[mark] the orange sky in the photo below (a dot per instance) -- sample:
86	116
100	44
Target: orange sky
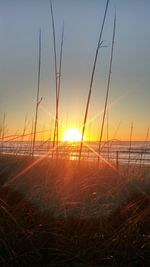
129	89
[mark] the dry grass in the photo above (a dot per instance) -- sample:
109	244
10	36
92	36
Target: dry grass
62	215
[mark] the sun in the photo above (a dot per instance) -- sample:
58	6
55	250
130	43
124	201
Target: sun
72	135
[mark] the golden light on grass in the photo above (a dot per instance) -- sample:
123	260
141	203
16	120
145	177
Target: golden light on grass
72	135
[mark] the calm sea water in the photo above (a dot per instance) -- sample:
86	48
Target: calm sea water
139	151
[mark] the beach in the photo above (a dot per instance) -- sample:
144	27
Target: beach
72	216
74	133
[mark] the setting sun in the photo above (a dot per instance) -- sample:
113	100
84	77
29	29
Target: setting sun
72	135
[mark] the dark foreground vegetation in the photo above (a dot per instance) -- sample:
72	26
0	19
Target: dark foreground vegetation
63	215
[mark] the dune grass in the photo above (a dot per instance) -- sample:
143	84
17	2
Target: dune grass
63	215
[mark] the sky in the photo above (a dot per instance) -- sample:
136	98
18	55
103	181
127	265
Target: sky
20	21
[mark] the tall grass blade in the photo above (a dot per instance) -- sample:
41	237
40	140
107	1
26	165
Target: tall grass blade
107	133
145	145
38	99
92	78
59	82
3	132
56	74
130	146
108	87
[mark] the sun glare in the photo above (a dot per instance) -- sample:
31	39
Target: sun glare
72	135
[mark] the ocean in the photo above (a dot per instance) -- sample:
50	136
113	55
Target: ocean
114	150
